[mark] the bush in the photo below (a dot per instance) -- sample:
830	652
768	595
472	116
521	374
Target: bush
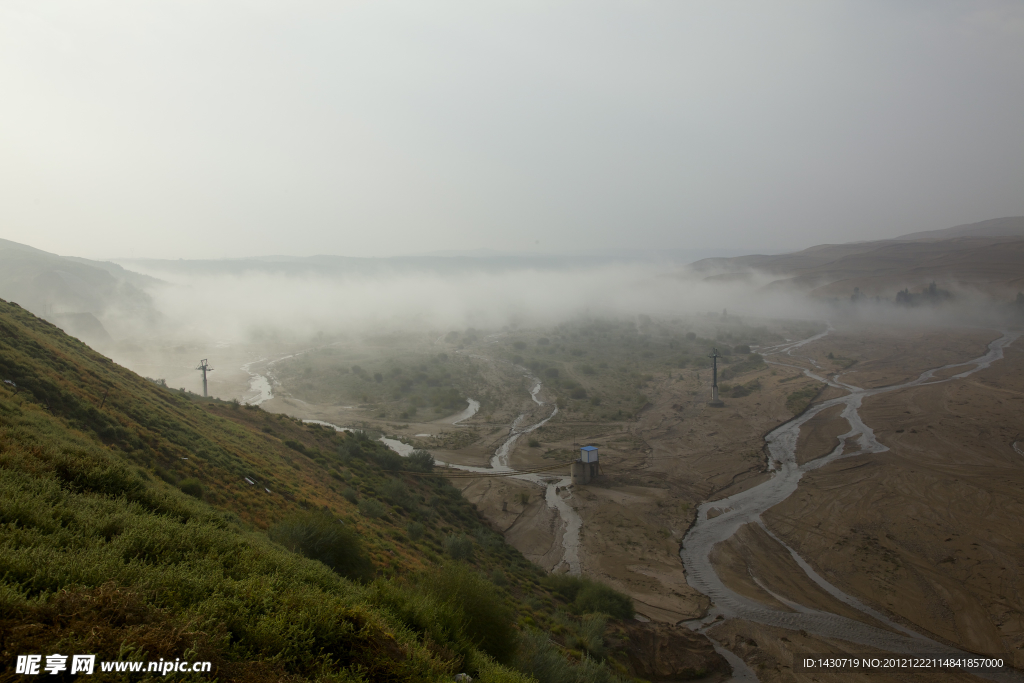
419	461
368	507
542	659
457	546
318	535
533	443
351	449
396	493
602	599
350	495
498	577
579	393
192	487
487	621
589	596
454	606
295	446
415	530
590	635
552	373
388	460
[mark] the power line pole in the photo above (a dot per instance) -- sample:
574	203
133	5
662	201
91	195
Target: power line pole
205	367
715	401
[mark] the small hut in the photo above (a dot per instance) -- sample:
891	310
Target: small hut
585	468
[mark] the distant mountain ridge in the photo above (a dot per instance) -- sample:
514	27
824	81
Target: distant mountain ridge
986	256
1011	226
453	262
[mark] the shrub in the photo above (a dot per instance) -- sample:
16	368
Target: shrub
415	530
486	619
350	495
498	577
542	659
590	635
551	373
533	443
318	535
165	475
565	586
295	446
396	492
523	497
457	546
419	461
192	487
579	393
368	507
388	460
589	596
597	597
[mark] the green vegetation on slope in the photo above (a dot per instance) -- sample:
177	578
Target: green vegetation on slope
129	528
403	382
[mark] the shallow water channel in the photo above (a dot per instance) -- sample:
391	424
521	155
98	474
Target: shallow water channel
746	507
551	482
499	462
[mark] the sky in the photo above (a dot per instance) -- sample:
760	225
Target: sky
210	129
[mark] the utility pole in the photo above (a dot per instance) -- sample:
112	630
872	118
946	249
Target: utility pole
715	401
205	367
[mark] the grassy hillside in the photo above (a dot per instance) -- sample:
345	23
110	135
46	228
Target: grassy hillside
134	525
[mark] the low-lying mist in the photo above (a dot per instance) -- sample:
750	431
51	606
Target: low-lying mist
246	315
254	306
